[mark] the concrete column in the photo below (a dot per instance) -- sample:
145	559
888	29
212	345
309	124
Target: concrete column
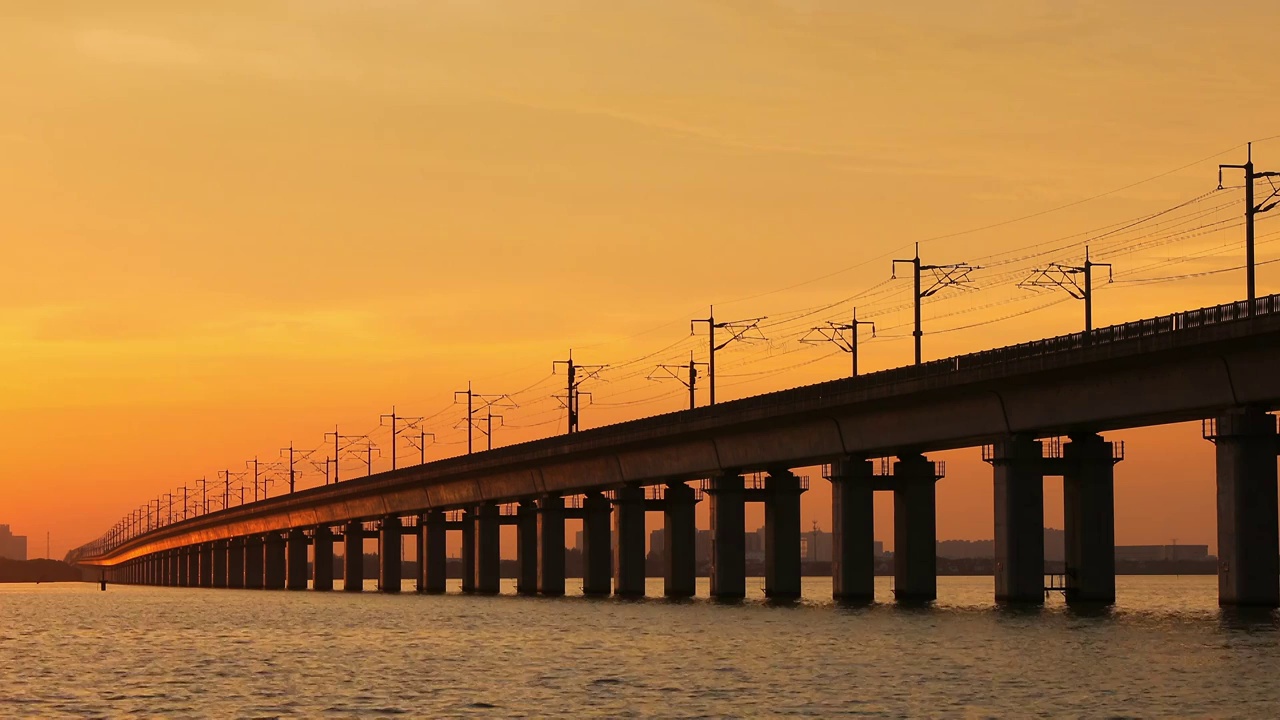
353	557
431	552
206	565
390	531
1018	465
551	545
254	556
193	566
174	564
1248	533
295	567
469	550
680	542
184	567
597	545
728	537
527	548
274	561
220	564
322	562
781	535
235	563
628	527
853	551
488	545
915	530
1088	509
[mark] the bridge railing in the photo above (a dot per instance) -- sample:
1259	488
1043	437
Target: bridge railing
1214	315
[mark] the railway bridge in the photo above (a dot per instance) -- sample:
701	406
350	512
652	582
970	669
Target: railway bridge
1035	409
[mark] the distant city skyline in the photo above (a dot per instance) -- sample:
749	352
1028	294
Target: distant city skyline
12	547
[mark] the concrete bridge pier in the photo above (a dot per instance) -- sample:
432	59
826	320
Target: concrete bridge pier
353	557
915	529
431	552
1248	532
728	537
322	552
628	527
597	542
274	566
781	535
254	555
469	550
527	548
235	563
551	545
193	566
295	567
220	563
853	562
171	565
488	543
390	534
1018	465
184	564
680	541
206	565
1088	509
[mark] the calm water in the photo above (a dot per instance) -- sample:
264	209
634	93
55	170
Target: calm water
1166	649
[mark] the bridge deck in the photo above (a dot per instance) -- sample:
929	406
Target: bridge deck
1170	368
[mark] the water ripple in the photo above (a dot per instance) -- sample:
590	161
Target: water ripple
1166	649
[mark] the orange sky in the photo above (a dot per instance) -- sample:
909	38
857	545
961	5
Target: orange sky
231	227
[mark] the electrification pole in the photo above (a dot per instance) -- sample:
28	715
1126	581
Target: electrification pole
1064	277
204	495
738	330
470	410
954	275
420	444
686	375
337	451
1250	211
396	429
226	488
573	396
836	333
488	432
486	401
254	464
292	473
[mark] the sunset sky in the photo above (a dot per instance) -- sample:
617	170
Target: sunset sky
231	225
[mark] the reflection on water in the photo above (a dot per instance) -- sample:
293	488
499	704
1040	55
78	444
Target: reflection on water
1165	649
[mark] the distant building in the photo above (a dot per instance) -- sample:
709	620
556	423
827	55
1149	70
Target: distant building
657	541
12	547
1162	553
701	548
815	545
